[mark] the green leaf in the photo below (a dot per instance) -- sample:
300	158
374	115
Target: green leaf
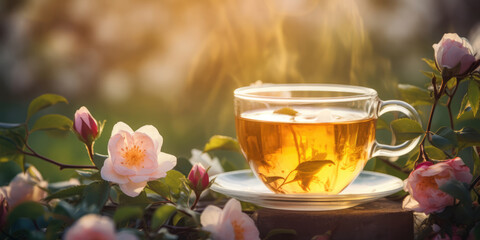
271	179
219	142
67	192
171	187
432	152
54	229
99	160
306	170
468	136
415	95
382	124
12	139
42	102
405	129
64	208
141	200
473	94
95	196
464	106
431	63
312	166
30	210
457	190
52	122
162	215
452	83
286	111
127	213
444	139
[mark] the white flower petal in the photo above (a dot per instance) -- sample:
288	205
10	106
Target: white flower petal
211	215
121	126
132	189
108	173
166	161
153	133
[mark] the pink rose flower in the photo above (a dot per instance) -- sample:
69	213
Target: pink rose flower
85	125
231	223
198	176
26	187
135	158
3	208
423	185
453	50
92	226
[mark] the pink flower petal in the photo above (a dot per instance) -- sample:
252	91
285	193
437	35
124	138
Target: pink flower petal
121	126
108	173
211	216
132	189
153	133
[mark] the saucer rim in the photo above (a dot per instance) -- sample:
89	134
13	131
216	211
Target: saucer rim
307	197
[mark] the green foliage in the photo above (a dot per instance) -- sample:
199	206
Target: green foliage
30	210
141	200
414	95
95	196
12	141
219	142
99	160
67	192
445	139
473	95
162	215
431	63
172	187
42	102
406	129
52	122
126	213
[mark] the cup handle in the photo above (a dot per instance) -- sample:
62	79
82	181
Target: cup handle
404	148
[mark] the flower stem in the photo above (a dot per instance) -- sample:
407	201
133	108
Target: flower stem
60	165
197	197
90	151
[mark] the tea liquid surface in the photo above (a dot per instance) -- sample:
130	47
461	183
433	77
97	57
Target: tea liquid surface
316	150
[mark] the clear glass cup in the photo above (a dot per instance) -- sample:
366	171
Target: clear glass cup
312	138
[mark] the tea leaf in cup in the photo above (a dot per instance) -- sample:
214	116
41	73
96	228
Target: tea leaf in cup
286	111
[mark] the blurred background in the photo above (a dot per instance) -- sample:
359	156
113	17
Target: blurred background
175	63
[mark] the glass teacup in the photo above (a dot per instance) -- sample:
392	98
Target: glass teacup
312	138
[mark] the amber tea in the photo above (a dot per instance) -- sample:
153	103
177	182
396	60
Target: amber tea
306	150
313	138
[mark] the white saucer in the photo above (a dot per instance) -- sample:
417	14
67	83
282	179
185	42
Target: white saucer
367	187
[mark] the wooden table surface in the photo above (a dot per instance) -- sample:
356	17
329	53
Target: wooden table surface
381	219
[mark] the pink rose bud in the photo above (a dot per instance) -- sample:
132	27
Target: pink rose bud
85	125
424	182
198	176
452	51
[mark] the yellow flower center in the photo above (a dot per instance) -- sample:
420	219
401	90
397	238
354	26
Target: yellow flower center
238	230
133	156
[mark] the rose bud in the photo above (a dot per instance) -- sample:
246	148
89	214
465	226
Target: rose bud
85	126
198	177
453	51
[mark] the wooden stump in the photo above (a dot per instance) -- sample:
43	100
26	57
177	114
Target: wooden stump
382	219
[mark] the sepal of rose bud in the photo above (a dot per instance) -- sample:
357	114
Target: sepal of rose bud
198	178
85	126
